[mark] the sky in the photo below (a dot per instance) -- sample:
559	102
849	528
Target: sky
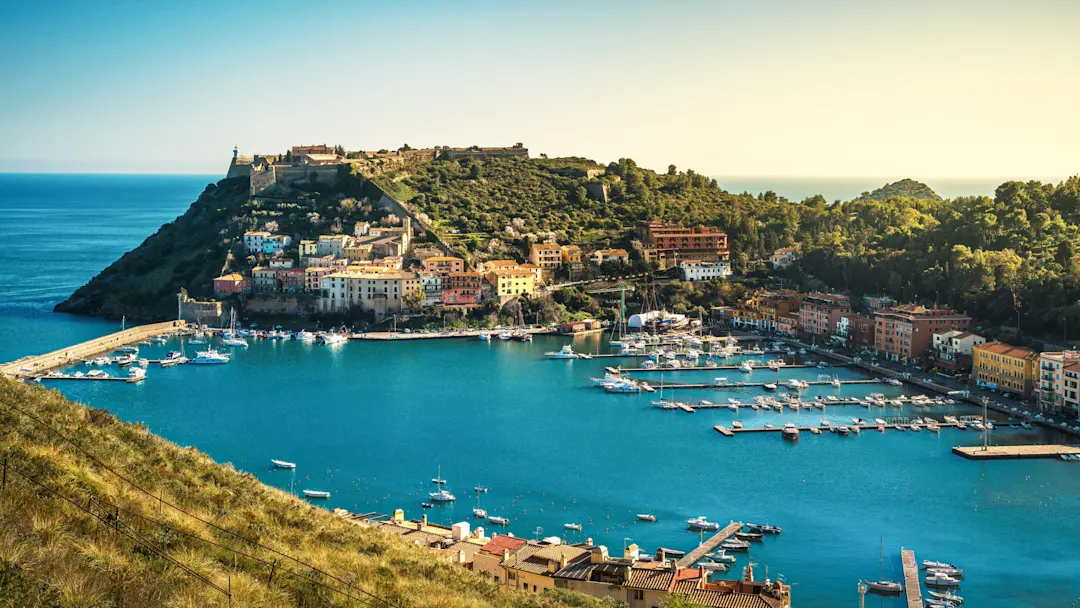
768	88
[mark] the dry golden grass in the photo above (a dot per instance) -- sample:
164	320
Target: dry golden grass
53	553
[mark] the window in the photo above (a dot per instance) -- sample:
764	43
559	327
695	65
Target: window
639	594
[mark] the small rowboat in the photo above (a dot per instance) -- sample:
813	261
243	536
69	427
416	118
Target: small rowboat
316	494
281	464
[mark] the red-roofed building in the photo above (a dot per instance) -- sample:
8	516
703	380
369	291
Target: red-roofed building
905	332
819	312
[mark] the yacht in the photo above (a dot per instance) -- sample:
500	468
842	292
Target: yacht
793	383
769	386
954	572
576	527
721	556
946	597
232	338
281	464
881	585
440	495
136	373
623	386
498	521
836	382
316	494
790	431
746	367
736	424
567	352
843	430
210	356
700	523
478	512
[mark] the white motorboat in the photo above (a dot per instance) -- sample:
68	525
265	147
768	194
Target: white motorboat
479	513
649	517
305	336
136	373
281	464
235	341
576	527
567	352
954	572
97	374
721	556
316	494
712	566
769	386
331	338
793	383
734	544
505	335
843	430
210	356
700	523
764	528
498	521
941	580
884	586
736	424
623	386
746	367
947	597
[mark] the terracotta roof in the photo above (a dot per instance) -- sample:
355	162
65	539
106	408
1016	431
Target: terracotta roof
651	578
1008	350
546	246
1074	367
723	599
522	560
557	552
496	545
230	277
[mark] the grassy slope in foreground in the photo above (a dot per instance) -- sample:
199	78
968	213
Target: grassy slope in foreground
52	553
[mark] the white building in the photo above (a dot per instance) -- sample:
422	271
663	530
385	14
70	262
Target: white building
253	241
783	257
696	270
432	284
332	244
953	344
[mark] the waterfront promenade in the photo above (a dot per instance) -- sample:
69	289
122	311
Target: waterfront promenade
443	335
37	364
1014	452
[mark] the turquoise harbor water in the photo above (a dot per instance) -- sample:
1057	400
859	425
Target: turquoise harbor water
371	422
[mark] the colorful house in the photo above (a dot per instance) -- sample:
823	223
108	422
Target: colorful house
1004	367
231	284
443	264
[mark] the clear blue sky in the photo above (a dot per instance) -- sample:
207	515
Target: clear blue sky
795	88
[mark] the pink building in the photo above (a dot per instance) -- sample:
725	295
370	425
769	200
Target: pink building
231	284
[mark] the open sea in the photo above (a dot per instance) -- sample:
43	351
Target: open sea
372	423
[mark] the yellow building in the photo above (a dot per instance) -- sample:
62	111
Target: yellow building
1005	367
571	256
510	282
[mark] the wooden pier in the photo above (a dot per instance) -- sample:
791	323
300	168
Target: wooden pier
1014	452
912	590
710	545
38	364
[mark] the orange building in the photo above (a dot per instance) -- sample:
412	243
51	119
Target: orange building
675	240
906	331
443	264
820	312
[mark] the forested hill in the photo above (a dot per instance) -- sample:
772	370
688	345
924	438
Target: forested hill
988	256
904	188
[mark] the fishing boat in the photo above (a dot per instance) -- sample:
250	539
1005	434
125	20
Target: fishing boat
210	356
576	527
566	352
700	523
498	521
316	494
305	336
331	338
881	585
281	464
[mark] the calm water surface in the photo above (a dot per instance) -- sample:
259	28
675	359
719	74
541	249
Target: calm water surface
371	422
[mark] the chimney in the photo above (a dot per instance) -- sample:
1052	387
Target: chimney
461	557
419	526
588	542
423	519
399	515
506	554
479	532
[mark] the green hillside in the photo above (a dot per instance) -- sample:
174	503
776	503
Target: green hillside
905	188
95	512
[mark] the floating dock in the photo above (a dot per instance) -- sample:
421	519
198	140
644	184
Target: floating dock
1014	452
912	590
710	545
731	432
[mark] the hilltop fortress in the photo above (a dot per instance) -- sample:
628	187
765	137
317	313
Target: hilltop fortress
321	163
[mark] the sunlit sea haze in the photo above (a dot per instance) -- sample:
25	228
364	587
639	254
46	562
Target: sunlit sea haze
372	423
